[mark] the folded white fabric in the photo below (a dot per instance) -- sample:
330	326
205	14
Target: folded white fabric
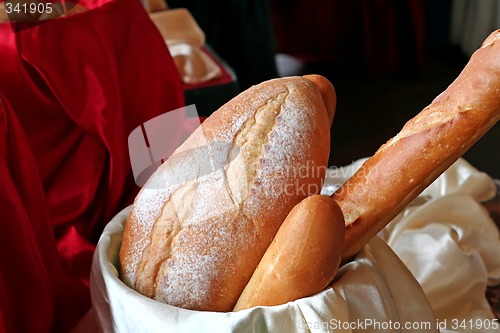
450	244
445	238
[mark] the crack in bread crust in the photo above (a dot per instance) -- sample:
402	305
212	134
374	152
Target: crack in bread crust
254	134
271	134
168	228
432	116
165	230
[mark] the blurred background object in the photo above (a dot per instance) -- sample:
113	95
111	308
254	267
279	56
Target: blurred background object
371	38
471	21
240	32
208	81
72	90
388	59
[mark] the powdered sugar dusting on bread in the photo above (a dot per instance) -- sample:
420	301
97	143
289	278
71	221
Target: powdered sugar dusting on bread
287	148
187	276
151	199
146	209
228	186
232	222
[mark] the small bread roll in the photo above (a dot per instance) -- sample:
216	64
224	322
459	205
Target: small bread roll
303	257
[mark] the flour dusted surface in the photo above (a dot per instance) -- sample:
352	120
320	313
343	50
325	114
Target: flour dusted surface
255	142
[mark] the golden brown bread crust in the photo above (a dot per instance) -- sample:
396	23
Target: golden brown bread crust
328	93
426	146
303	257
194	242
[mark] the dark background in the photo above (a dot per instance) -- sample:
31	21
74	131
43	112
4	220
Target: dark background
387	59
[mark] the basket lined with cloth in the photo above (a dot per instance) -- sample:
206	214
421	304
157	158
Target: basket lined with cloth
445	250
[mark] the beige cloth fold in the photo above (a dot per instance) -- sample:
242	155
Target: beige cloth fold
186	42
194	64
154	5
460	244
450	244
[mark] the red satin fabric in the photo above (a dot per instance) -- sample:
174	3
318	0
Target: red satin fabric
36	293
72	90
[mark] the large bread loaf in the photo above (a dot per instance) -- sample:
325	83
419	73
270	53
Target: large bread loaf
201	224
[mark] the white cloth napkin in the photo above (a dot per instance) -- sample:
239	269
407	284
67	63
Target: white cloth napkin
374	293
450	244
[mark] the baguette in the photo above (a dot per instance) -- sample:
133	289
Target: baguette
426	146
195	241
388	181
303	257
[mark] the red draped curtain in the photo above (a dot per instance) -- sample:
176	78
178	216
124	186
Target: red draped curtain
71	91
371	37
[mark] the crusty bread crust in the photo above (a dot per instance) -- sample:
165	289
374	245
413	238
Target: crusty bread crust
328	93
426	146
303	257
194	238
